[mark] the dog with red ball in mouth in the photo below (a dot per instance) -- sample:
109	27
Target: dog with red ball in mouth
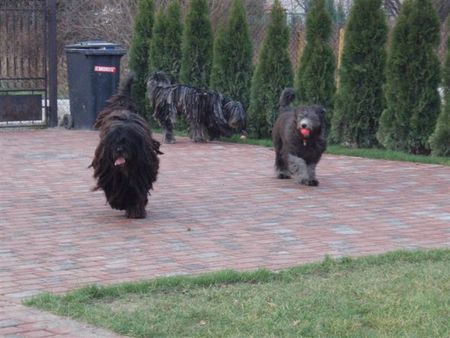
299	140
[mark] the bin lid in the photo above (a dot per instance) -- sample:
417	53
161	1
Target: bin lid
95	47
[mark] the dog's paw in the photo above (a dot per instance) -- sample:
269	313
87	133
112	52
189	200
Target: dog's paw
310	183
168	139
136	213
283	176
199	140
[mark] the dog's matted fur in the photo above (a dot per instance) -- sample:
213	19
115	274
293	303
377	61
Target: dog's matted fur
208	113
299	140
126	160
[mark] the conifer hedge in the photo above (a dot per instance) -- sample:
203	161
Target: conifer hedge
165	46
315	79
197	46
440	139
232	61
139	53
360	99
413	77
273	73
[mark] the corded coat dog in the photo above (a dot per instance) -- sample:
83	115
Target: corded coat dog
209	114
126	160
299	140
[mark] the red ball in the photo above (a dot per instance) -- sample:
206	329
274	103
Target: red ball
305	132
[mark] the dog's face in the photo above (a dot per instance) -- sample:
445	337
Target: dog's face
122	147
161	78
310	120
234	114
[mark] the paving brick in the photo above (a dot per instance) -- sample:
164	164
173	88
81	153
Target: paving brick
214	206
38	334
8	323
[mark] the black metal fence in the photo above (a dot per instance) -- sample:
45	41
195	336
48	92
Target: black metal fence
28	62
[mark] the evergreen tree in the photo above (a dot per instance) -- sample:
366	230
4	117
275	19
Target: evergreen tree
232	62
173	39
165	46
440	140
197	46
412	98
218	80
157	53
273	73
139	51
360	100
315	77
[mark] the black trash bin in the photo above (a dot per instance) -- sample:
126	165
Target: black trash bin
93	69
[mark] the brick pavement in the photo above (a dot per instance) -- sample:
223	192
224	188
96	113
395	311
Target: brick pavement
214	206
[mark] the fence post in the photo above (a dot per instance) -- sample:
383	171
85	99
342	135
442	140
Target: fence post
53	65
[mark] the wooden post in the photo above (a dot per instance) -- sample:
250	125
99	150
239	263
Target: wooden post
52	65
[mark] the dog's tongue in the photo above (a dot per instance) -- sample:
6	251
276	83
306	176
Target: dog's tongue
119	161
305	132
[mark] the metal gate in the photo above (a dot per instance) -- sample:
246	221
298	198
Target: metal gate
28	63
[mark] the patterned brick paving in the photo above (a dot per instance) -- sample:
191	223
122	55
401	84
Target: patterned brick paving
214	206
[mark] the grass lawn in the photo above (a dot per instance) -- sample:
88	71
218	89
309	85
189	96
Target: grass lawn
358	152
399	294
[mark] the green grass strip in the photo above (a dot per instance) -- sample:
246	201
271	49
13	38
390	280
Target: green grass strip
398	294
380	154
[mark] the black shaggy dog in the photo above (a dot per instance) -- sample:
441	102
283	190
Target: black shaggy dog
299	140
126	159
209	114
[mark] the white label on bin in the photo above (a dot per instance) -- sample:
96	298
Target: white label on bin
104	69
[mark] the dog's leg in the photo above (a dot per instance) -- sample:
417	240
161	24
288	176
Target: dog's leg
297	166
302	171
167	132
281	167
137	211
198	132
311	170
